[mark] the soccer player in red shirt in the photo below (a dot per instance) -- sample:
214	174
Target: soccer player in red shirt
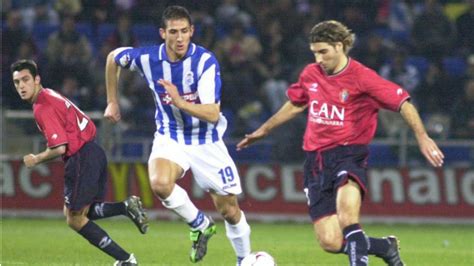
70	133
343	98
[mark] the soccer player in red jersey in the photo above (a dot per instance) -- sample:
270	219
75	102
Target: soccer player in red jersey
70	133
343	97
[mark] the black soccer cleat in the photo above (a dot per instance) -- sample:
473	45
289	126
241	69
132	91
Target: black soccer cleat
392	257
200	239
136	213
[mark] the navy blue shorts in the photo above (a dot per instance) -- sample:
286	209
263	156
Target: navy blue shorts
326	171
85	177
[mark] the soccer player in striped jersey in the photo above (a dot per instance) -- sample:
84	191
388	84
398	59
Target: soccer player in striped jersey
184	79
70	134
343	97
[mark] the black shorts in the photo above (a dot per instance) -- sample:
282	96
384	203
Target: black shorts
326	171
85	177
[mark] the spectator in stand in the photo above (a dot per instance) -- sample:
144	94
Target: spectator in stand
204	24
465	30
407	76
432	32
298	55
374	53
239	54
33	11
39	11
438	90
229	11
12	36
462	113
69	53
98	12
401	17
123	34
70	89
68	7
469	74
68	34
401	72
28	49
358	17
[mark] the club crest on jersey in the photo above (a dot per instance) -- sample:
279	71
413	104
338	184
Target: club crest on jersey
344	96
125	59
189	78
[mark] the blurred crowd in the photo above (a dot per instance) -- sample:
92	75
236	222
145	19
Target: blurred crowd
425	46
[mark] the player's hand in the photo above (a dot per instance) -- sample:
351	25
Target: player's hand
30	160
251	138
112	112
176	99
431	151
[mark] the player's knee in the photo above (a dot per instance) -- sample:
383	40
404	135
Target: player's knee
330	243
162	187
230	213
75	221
347	218
330	240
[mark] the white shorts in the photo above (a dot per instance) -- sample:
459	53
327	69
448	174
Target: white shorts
212	167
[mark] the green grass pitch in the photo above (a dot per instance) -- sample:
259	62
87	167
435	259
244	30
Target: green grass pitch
51	242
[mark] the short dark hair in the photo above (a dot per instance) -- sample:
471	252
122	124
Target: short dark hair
173	13
332	31
25	64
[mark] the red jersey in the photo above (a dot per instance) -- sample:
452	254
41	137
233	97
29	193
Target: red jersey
61	122
342	108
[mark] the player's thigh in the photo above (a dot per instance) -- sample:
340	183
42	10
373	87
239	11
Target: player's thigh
213	168
164	171
348	203
329	233
168	161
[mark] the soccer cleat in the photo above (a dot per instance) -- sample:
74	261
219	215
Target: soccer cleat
135	211
199	247
392	257
130	262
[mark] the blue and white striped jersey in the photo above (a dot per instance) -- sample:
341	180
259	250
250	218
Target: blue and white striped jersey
197	77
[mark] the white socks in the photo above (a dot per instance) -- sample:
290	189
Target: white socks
179	202
239	236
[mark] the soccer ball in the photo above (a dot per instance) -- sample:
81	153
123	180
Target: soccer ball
259	258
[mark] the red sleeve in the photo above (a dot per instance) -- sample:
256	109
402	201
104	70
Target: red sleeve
297	94
51	125
386	93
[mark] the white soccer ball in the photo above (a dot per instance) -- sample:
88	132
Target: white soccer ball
259	258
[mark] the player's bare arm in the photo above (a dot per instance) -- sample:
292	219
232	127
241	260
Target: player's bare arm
427	146
287	112
112	74
206	112
31	160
